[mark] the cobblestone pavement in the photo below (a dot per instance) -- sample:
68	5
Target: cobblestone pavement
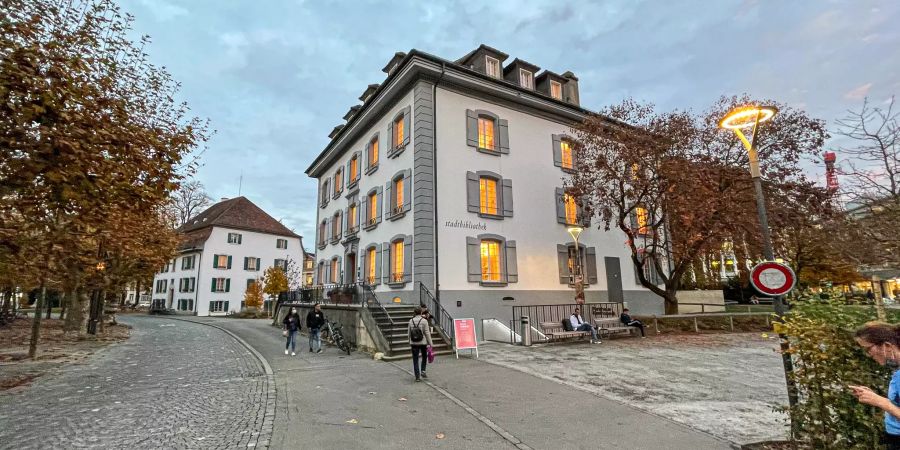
727	385
173	384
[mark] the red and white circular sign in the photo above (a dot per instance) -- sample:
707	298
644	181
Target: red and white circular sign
772	278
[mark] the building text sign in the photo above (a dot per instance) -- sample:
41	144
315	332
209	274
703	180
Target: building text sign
464	335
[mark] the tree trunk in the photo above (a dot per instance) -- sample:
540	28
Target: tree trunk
36	323
63	300
879	308
670	302
137	295
75	316
49	307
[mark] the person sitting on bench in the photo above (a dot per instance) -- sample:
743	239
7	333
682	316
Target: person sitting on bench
578	324
628	321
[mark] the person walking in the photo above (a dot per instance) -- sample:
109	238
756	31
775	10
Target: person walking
291	325
315	320
882	343
419	341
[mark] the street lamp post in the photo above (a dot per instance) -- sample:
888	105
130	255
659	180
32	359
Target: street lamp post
736	120
575	231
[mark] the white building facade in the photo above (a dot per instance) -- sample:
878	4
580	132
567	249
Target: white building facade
466	177
224	249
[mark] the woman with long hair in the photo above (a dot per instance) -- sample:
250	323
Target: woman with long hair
881	342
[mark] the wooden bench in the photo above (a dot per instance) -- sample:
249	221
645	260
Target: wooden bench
610	325
555	331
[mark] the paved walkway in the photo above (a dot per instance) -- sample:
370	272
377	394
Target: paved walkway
331	400
724	384
173	384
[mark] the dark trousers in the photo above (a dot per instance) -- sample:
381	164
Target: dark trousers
890	441
637	323
416	350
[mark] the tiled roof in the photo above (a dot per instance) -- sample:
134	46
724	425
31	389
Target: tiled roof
238	213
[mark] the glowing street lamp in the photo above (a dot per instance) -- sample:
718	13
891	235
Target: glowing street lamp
575	231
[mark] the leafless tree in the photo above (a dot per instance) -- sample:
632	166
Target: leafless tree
189	200
871	165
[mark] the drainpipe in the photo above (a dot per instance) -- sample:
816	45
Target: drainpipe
437	284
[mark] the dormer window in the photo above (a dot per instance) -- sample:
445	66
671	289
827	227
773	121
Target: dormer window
526	79
556	90
492	66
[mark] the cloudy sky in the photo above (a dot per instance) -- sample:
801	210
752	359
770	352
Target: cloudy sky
276	76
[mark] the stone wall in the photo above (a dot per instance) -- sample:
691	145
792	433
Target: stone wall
714	299
352	325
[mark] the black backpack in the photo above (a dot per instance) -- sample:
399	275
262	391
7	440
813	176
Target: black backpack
415	333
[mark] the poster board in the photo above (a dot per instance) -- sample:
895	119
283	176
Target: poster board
464	336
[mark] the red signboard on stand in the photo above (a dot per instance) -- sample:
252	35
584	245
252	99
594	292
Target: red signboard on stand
464	335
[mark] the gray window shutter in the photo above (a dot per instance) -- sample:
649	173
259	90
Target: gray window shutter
407	131
562	258
347	219
407	259
340	280
389	202
379	199
471	128
368	154
473	192
632	217
386	268
327	271
590	257
347	172
557	150
504	136
473	259
358	211
340	222
364	206
229	262
512	266
560	206
328	229
377	264
228	285
390	137
246	263
407	182
583	217
506	196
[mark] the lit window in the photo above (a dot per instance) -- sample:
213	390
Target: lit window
397	261
338	181
221	261
351	217
370	277
492	66
643	219
486	133
488	188
526	79
490	261
335	270
555	90
373	152
354	168
373	207
398	132
566	150
398	193
571	209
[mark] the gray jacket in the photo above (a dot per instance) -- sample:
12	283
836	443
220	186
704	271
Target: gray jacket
423	325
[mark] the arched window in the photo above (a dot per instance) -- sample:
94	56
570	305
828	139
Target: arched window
488	195
399	131
486	133
373	152
371	264
490	260
335	270
566	153
354	168
397	260
571	209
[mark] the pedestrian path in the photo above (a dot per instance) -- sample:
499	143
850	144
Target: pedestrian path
331	400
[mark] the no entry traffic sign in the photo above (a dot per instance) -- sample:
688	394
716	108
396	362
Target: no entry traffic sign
772	278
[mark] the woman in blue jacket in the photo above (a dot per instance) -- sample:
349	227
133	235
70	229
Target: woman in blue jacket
882	343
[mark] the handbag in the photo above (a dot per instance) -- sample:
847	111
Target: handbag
284	333
430	355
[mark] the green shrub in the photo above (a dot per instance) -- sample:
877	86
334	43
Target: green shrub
827	360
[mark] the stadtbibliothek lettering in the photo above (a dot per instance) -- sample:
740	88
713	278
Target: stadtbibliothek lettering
467	224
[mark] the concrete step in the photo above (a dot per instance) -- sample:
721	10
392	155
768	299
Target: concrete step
407	354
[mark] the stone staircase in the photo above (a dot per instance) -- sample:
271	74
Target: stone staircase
397	334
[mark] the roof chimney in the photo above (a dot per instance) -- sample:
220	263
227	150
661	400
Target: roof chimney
570	90
223	199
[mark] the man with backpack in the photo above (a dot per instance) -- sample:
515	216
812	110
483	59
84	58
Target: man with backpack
315	320
419	341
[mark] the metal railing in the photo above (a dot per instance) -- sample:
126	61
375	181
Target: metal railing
441	316
369	299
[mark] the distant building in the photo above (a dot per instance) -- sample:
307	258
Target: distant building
223	250
309	267
450	174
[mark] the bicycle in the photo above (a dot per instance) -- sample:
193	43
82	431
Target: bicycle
337	336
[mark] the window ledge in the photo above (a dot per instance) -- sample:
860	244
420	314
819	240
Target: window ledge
396	284
335	240
370	226
371	169
493	283
337	194
352	191
353	184
396	216
323	204
322	245
490	216
488	151
396	151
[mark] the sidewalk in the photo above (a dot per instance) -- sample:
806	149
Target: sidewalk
332	400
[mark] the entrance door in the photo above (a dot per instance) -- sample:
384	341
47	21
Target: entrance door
613	279
351	268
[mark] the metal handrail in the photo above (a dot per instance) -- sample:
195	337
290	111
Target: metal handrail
441	316
367	289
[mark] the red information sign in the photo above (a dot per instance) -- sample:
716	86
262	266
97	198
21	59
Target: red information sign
464	335
772	278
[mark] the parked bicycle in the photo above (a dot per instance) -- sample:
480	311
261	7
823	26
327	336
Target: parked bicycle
333	332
